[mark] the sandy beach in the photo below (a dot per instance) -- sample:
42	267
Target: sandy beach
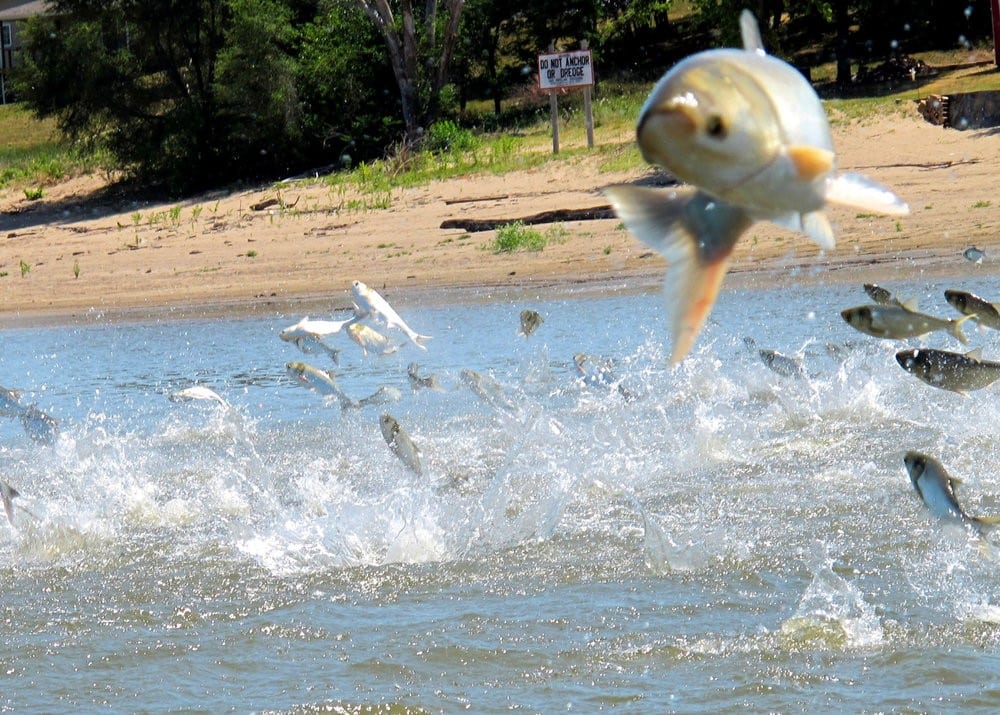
68	256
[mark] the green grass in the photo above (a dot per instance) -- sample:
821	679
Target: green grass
517	237
31	153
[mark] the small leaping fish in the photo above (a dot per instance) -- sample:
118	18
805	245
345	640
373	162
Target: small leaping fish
748	132
417	382
400	443
7	494
530	321
198	392
974	255
981	310
898	322
320	381
937	489
371	339
370	302
317	328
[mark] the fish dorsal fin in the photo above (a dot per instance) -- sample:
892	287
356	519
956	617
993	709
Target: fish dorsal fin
910	304
975	354
860	192
810	162
750	32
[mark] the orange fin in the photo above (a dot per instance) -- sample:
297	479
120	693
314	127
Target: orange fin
696	234
810	162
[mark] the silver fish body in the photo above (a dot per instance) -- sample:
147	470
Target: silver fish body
198	392
974	255
10	402
948	370
880	295
749	133
7	494
782	364
371	340
320	381
530	321
937	490
371	303
982	311
418	381
39	426
897	322
400	443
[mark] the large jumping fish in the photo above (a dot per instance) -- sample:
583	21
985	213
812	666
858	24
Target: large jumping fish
748	133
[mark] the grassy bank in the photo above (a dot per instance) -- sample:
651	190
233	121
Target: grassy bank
32	155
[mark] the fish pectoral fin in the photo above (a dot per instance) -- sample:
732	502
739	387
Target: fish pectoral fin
810	162
817	227
696	234
975	353
860	192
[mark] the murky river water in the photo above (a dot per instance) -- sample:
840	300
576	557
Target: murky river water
710	538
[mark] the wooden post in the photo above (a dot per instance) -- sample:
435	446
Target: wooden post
995	13
588	111
554	111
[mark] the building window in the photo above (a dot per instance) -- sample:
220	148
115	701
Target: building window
4	34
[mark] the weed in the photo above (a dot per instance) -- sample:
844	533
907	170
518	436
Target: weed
175	214
607	250
136	218
25	267
899	227
33	194
76	269
981	205
516	236
251	253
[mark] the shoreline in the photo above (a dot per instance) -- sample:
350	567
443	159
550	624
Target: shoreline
65	259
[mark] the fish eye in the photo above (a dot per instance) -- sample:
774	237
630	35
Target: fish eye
715	127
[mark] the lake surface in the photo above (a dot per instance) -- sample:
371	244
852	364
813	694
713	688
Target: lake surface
710	538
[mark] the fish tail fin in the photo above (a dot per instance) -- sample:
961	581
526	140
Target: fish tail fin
696	234
955	328
419	340
985	524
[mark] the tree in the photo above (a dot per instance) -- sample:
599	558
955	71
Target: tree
185	93
420	61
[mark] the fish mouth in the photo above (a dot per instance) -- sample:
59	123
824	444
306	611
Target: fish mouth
674	116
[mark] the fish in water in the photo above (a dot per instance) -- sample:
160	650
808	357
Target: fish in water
749	134
975	255
198	392
487	389
530	321
429	382
371	303
320	381
10	402
937	489
782	364
597	372
400	443
982	311
950	371
880	295
7	494
40	427
898	322
371	339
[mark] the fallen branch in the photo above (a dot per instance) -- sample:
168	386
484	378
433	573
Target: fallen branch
475	225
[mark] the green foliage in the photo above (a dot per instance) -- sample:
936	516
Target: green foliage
516	236
446	136
33	194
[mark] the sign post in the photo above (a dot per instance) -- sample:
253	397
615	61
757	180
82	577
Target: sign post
558	70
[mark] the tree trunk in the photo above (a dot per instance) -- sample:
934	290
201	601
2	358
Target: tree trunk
842	20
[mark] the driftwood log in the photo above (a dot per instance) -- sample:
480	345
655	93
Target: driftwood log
476	225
